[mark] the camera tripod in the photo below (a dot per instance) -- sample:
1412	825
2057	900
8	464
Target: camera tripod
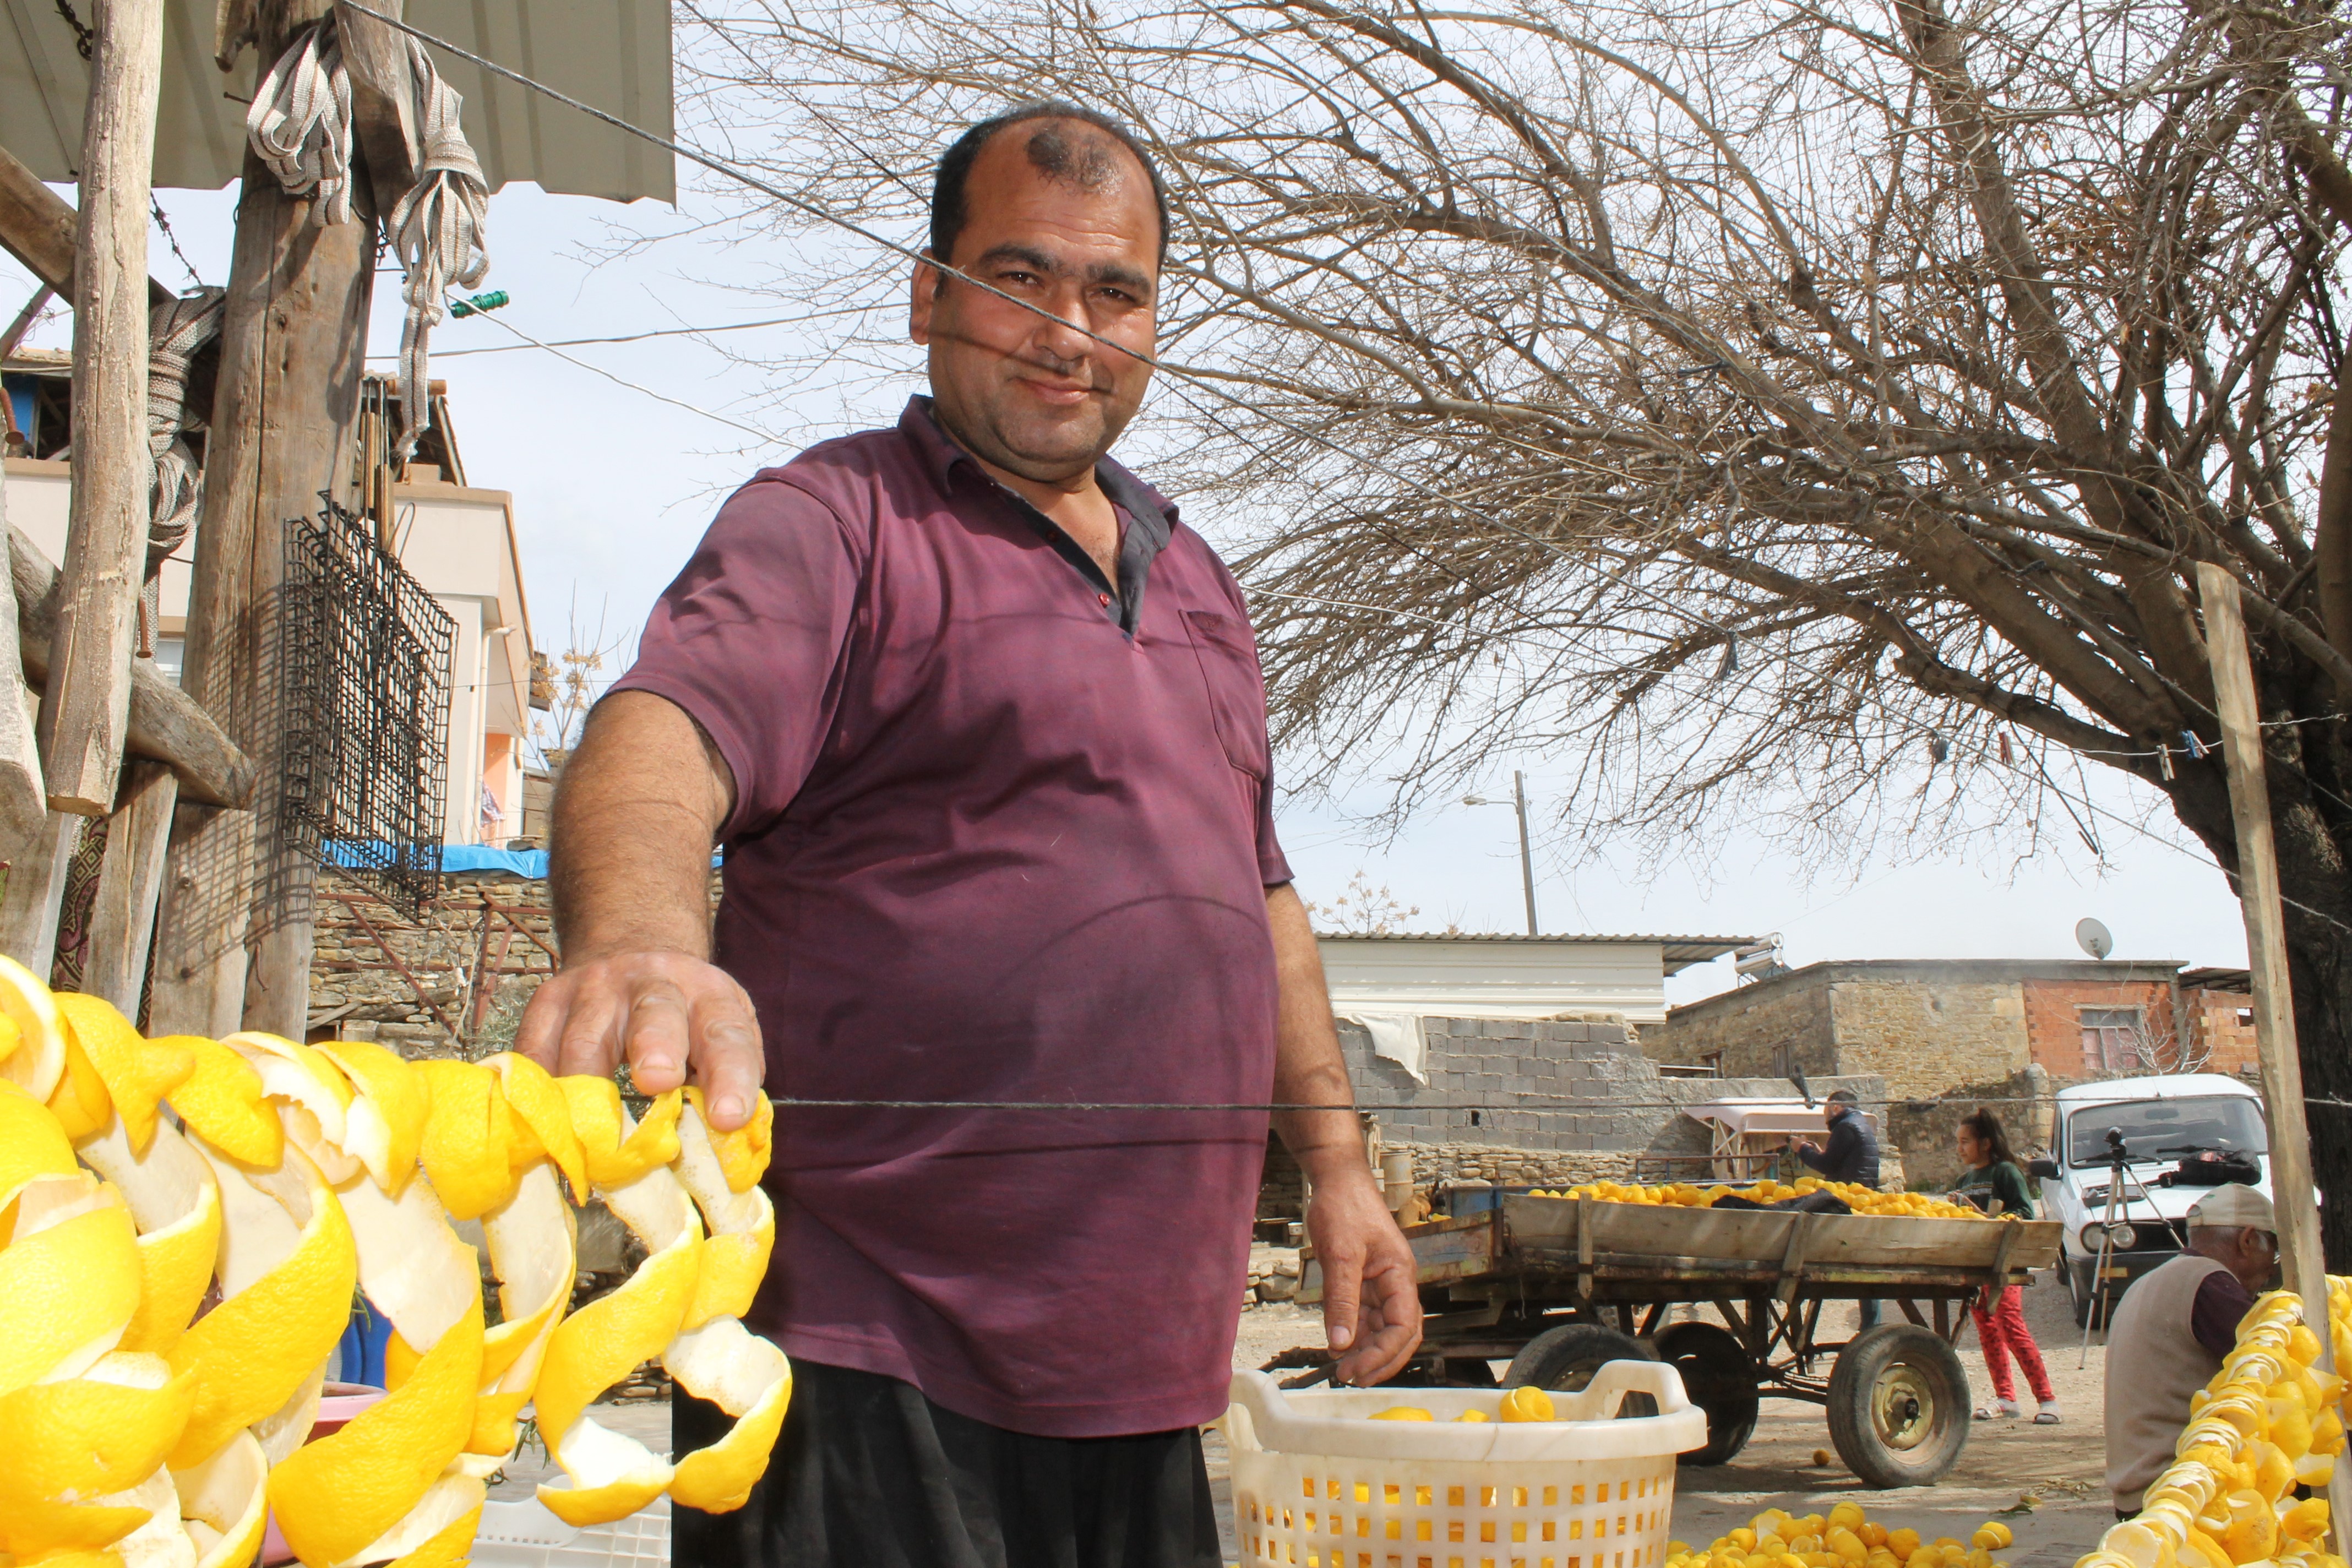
2117	1212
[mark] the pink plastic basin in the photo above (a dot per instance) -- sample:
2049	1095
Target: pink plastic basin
336	1404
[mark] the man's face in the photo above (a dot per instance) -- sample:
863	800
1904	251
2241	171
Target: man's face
1021	389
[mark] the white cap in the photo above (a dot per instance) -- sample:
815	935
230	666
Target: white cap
2234	1206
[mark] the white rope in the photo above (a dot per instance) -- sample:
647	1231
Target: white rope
300	125
436	230
301	122
177	331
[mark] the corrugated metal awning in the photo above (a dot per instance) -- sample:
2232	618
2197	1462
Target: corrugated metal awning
614	54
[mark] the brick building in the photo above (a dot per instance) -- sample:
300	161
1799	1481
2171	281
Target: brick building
1931	1026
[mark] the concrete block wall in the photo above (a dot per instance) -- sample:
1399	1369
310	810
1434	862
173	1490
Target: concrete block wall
1584	1103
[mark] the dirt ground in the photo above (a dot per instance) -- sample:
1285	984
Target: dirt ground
2053	1473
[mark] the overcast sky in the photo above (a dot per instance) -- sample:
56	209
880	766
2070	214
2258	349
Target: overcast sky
613	486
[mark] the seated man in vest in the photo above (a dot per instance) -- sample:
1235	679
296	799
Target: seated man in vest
2174	1327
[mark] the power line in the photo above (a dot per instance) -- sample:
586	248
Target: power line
622	338
802	204
632	386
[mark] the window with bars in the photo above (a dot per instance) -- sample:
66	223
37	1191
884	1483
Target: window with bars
2110	1037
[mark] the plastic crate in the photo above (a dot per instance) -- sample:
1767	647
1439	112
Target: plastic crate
523	1534
1317	1483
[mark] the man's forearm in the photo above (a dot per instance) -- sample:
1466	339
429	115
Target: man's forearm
1309	1069
639	801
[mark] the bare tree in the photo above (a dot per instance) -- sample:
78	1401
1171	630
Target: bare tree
1745	403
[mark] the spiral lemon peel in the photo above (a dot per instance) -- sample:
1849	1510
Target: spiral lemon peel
2269	1421
137	1177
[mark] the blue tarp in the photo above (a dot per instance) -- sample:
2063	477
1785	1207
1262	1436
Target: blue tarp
529	863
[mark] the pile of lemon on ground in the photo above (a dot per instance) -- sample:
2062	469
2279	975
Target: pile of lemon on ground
142	1179
1844	1538
1527	1403
2269	1421
1686	1195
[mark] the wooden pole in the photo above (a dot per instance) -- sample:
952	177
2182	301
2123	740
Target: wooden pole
24	801
233	945
37	890
37	229
87	708
2300	1261
130	887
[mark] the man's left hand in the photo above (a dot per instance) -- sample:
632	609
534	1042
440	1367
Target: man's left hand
1372	1303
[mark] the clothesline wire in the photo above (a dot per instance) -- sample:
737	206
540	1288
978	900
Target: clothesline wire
1532	1101
823	214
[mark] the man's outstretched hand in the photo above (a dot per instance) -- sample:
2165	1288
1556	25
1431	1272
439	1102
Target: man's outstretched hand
669	1016
1372	1303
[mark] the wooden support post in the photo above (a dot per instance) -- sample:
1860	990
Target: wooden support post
236	938
24	803
130	887
36	227
37	890
2301	1259
87	709
166	724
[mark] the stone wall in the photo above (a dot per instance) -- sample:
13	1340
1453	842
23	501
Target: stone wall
1923	1032
1927	1130
470	964
1744	1030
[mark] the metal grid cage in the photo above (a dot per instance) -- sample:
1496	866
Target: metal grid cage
365	683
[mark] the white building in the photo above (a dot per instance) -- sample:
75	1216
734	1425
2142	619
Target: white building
1511	976
458	541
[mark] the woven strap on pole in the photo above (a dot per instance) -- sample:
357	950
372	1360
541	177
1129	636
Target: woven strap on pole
300	125
177	331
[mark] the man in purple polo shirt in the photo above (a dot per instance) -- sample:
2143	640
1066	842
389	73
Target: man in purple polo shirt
980	725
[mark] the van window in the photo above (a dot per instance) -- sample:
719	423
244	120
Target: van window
2165	1129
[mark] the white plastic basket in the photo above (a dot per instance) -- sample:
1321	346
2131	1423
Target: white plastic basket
1317	1484
524	1535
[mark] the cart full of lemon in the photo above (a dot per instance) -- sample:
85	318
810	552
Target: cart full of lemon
2270	1421
1845	1537
185	1223
1688	1194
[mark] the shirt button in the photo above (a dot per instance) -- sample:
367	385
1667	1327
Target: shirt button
1103	599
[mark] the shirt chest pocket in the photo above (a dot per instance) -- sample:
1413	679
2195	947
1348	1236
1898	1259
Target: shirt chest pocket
1236	688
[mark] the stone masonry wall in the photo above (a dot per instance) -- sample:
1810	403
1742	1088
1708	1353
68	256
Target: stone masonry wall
1923	1035
1745	1026
1600	1108
470	967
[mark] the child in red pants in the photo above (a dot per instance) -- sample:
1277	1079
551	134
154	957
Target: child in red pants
1995	1184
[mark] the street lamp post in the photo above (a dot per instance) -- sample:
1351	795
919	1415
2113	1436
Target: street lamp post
1527	858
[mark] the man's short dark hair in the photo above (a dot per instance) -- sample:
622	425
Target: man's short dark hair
1845	1097
1081	160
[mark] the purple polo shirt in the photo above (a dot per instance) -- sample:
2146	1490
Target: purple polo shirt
1002	832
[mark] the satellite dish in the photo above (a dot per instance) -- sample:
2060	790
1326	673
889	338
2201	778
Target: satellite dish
2093	938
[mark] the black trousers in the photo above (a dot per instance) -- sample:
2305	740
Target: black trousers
869	1473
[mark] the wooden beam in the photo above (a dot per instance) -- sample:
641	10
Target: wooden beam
36	227
166	724
24	803
2300	1261
36	890
85	711
293	340
384	99
130	887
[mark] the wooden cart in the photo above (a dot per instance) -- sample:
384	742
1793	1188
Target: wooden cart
1559	1286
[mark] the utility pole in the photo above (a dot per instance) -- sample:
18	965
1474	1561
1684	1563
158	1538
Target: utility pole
1527	858
2301	1262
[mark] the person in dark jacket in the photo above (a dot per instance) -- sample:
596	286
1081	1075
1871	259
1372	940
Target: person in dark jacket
1852	1154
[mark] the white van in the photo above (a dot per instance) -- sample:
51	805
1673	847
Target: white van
2159	1122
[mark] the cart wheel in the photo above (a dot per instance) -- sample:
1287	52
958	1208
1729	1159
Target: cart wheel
1720	1379
1565	1359
1898	1406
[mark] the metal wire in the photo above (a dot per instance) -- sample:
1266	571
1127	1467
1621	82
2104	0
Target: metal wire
365	686
1547	1103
